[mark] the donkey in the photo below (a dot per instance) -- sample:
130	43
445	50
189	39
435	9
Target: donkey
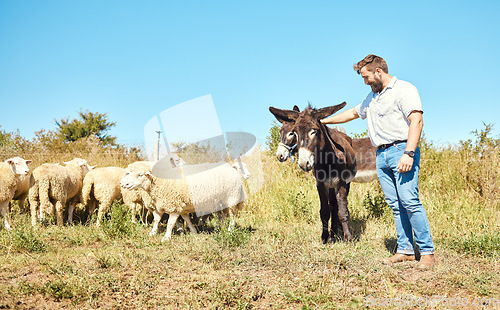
330	155
288	139
364	150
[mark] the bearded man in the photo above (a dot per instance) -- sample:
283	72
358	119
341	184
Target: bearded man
394	115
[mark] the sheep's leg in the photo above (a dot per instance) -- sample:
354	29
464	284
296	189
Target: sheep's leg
232	214
188	222
103	208
71	208
4	211
41	213
144	214
157	217
232	222
33	208
21	201
172	218
90	209
59	213
221	219
133	211
46	209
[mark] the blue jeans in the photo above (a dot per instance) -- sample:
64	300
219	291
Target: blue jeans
401	194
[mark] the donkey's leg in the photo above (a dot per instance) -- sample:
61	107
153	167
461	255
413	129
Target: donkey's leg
344	216
334	208
324	212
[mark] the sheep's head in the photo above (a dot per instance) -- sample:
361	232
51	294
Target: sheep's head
18	165
242	169
81	164
135	177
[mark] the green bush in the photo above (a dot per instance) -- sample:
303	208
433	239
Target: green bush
57	289
25	238
375	204
117	224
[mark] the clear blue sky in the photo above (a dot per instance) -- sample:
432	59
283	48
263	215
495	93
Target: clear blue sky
134	59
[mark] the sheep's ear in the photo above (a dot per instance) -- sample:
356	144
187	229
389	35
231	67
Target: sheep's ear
65	162
28	162
92	167
10	161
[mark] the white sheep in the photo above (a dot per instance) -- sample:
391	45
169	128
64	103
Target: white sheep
53	183
186	190
101	187
22	189
132	198
217	187
13	175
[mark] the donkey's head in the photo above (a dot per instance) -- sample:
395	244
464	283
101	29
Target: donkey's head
288	139
311	134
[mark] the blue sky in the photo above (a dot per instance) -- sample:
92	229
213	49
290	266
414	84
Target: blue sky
135	59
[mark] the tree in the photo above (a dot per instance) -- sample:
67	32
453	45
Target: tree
273	139
11	141
88	124
6	138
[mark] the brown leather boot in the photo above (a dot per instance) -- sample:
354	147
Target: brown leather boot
426	262
397	258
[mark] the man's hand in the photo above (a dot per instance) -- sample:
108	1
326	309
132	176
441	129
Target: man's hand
405	163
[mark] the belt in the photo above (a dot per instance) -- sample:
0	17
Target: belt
384	146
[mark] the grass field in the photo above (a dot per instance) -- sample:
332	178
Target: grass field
274	259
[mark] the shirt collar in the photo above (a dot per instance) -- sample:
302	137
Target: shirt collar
392	82
391	85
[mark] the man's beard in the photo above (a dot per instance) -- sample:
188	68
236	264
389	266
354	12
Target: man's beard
376	86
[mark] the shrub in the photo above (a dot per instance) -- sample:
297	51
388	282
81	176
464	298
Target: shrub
27	239
57	289
480	166
375	203
116	223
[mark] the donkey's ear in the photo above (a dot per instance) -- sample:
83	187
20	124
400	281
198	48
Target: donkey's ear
324	112
296	108
284	115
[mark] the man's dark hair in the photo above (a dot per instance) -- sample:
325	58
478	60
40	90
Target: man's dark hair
372	62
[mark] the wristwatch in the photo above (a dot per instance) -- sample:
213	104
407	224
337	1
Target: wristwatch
410	153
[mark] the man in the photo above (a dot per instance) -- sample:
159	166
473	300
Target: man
394	115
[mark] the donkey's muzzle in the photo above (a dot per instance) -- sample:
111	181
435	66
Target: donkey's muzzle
306	159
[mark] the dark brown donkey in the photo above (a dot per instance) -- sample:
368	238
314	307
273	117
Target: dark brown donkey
287	146
331	156
365	152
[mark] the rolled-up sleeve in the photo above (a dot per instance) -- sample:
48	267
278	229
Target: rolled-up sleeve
362	108
410	100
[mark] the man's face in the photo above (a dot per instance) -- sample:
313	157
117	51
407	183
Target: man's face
372	78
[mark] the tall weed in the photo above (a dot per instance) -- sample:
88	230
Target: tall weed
117	224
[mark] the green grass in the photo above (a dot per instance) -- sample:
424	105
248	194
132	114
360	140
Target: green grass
485	244
273	259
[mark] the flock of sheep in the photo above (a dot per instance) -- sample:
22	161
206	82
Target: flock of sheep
57	189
